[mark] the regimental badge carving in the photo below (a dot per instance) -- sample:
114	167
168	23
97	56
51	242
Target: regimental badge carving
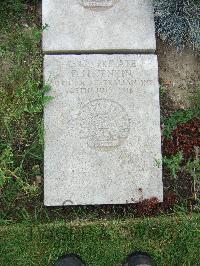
98	3
103	124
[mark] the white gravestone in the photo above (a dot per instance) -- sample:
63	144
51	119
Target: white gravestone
98	26
102	130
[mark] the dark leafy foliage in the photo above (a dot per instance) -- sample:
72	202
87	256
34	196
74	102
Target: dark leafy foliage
185	139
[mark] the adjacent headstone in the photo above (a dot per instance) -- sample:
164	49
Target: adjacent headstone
102	128
98	26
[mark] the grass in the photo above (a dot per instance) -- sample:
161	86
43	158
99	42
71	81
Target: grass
22	101
170	241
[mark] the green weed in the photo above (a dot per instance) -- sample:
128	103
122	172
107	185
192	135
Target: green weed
182	116
193	168
163	91
173	163
179	117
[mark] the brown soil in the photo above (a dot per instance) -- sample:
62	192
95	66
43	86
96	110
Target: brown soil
179	73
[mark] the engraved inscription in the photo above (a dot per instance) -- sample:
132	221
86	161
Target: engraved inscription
104	124
97	3
112	75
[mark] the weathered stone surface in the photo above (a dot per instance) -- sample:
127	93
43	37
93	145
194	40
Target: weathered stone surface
98	25
102	129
